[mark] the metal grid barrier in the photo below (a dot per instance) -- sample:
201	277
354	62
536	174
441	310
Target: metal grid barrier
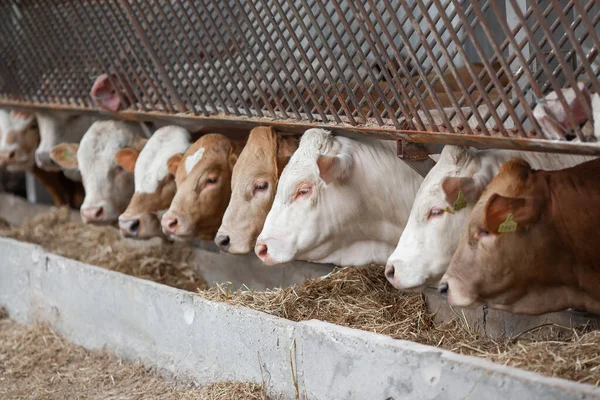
401	66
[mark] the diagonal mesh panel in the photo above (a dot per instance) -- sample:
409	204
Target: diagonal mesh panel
449	66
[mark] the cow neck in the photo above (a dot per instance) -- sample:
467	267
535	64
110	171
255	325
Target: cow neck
575	210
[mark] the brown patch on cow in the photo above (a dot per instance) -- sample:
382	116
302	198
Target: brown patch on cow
64	192
467	185
126	158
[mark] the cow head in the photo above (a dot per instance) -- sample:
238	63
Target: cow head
203	178
108	187
56	128
440	211
500	258
18	139
110	92
253	185
154	184
307	209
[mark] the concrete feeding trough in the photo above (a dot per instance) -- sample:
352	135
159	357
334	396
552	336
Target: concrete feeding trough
193	338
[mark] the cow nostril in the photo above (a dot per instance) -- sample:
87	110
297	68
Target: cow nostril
135	226
99	212
443	288
262	250
12	155
173	223
223	241
389	272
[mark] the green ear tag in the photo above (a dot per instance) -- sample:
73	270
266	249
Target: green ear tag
66	155
508	225
449	210
460	202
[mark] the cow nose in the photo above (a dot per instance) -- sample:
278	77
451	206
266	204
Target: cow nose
170	224
389	272
129	227
92	214
261	250
12	156
223	242
443	288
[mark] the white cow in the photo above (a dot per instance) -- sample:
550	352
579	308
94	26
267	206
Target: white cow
437	219
55	128
18	140
340	201
108	187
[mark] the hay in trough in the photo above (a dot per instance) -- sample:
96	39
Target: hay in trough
37	363
170	264
362	298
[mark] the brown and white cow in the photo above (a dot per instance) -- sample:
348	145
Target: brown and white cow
154	184
531	244
253	187
108	187
203	178
19	138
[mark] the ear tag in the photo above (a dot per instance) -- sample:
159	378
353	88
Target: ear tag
508	226
66	155
460	202
449	210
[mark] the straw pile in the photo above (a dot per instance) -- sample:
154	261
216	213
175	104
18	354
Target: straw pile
37	363
170	264
362	298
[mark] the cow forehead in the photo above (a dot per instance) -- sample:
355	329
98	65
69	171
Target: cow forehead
101	142
208	151
151	166
10	123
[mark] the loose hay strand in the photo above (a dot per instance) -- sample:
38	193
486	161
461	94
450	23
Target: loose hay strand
362	298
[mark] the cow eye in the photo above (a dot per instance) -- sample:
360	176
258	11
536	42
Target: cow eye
435	212
260	187
303	191
211	180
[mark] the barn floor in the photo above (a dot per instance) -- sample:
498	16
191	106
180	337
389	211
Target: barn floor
36	363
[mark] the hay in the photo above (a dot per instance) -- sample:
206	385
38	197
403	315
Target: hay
362	298
170	264
37	363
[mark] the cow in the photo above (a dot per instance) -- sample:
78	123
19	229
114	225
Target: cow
436	220
253	186
108	187
57	127
154	184
19	138
203	179
339	200
530	246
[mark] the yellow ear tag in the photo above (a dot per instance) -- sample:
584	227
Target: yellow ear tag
508	226
449	210
460	202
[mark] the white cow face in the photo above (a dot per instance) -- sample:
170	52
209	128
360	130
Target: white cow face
436	220
108	187
18	139
312	203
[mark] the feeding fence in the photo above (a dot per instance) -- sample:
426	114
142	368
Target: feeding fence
452	71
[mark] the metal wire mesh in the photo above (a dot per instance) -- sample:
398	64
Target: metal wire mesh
456	66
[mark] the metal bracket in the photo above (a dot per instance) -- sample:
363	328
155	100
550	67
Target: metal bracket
416	155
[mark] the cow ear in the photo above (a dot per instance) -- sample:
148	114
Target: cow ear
468	189
286	146
332	168
65	155
126	158
507	214
173	163
233	157
139	143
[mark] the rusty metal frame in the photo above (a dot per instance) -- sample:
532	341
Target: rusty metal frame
421	71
